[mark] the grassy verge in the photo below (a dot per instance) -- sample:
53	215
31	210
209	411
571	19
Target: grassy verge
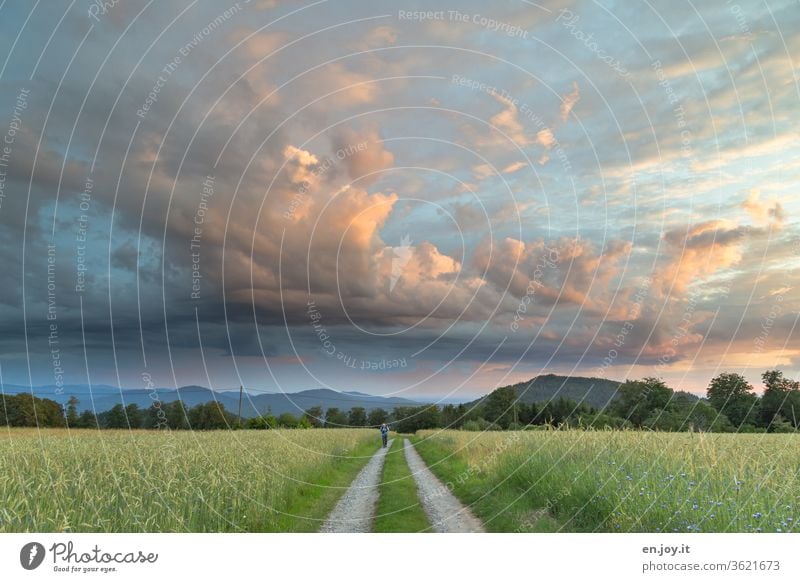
399	509
495	504
311	503
621	481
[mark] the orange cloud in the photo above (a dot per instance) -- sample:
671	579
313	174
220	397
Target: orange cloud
260	44
761	211
515	167
508	121
362	153
568	101
698	252
566	271
546	138
380	36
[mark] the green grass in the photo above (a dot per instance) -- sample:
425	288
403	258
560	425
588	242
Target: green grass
54	480
399	508
621	481
497	507
309	504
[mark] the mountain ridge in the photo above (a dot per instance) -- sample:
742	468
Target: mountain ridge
104	397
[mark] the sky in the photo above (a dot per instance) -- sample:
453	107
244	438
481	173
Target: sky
407	198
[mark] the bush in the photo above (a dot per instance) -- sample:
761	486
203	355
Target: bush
478	425
262	422
287	420
782	425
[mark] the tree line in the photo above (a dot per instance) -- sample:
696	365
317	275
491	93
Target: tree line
28	410
731	405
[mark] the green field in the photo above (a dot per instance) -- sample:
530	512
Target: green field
55	480
621	481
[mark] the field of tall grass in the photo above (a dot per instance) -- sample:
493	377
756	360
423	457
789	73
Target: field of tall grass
157	481
621	481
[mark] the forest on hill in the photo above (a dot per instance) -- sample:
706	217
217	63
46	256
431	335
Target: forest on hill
731	405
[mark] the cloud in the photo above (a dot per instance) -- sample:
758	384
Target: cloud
546	138
379	36
697	252
763	212
482	171
362	153
258	45
568	102
306	196
514	167
343	87
564	272
507	120
469	216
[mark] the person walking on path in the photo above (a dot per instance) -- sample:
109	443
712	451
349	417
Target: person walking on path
384	434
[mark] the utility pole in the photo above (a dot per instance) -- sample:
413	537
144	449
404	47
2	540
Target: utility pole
241	389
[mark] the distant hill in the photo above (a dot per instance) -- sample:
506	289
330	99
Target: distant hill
102	397
325	398
596	392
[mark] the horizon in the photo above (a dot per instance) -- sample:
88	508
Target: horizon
426	398
405	202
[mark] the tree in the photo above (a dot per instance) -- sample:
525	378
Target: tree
638	399
314	416
210	416
781	425
335	418
287	420
526	412
72	412
357	416
734	397
87	419
262	422
563	411
134	415
176	415
28	410
452	416
114	418
410	419
499	406
377	416
781	400
688	414
429	417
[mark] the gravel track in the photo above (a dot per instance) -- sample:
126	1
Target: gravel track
355	511
446	513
